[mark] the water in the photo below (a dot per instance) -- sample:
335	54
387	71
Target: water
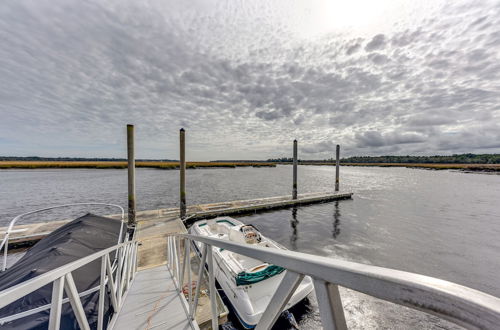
438	223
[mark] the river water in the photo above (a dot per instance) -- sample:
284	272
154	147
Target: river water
443	224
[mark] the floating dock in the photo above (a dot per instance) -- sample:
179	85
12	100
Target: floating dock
160	222
153	226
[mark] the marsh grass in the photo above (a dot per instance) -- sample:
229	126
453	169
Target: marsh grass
122	164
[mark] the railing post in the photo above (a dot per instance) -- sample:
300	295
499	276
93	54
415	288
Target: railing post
200	278
136	263
178	248
111	284
102	293
278	302
190	287
131	175
129	264
184	263
213	291
182	171
337	168
119	277
5	247
330	305
56	304
123	283
295	162
175	268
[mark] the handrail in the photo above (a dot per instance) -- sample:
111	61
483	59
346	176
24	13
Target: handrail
117	280
5	241
15	292
453	302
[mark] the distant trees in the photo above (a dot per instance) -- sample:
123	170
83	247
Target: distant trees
281	160
453	159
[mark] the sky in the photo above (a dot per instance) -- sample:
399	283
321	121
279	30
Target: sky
245	78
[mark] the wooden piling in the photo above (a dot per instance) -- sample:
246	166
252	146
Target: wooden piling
337	168
182	171
131	175
295	161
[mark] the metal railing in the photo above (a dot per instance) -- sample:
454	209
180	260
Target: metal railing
456	303
116	276
5	242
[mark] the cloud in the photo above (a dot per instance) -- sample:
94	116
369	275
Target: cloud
376	139
377	43
73	73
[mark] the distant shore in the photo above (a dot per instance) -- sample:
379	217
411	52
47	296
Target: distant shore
461	167
123	164
171	165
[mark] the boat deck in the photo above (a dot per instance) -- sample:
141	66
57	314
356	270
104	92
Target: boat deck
153	303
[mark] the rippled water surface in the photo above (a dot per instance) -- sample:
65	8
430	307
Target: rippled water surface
438	223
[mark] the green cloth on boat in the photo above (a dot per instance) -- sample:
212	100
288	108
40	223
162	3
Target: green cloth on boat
245	278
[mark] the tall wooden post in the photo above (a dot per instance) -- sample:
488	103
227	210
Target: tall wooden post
295	161
131	175
337	167
182	170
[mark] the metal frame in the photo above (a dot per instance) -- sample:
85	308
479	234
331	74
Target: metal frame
114	282
453	302
5	241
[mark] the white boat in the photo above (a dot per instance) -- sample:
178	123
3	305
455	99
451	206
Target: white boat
249	284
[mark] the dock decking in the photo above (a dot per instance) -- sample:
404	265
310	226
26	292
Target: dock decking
153	303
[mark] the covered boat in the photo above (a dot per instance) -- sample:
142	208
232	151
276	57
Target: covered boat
75	240
248	283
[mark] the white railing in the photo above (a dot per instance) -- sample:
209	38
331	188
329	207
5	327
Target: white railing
116	276
461	305
5	242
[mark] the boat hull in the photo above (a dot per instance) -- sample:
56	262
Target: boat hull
249	301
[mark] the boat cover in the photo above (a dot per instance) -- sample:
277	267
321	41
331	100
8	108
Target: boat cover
78	238
245	278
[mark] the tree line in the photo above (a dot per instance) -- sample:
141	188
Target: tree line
438	159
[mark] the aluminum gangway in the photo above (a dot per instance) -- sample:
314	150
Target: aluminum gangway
160	292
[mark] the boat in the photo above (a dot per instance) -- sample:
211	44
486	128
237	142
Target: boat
76	239
249	284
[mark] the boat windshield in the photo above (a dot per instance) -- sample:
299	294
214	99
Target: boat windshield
251	234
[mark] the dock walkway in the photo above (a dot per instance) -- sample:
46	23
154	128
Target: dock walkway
153	303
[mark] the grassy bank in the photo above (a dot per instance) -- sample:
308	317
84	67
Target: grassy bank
119	165
462	167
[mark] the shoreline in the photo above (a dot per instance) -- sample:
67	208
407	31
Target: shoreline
481	168
5	165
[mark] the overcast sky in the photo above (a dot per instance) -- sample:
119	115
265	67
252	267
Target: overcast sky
244	78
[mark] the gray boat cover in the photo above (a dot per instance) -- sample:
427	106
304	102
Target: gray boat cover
78	238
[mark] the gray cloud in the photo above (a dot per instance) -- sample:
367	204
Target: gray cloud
377	139
378	42
73	73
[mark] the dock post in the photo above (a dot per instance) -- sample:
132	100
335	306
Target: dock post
131	175
295	161
337	168
182	170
